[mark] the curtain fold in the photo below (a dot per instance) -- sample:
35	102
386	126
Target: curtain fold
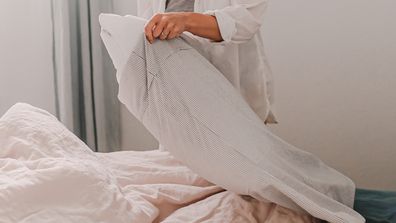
86	88
107	106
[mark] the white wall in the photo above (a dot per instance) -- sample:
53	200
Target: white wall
26	73
334	64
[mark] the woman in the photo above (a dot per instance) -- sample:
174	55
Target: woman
227	34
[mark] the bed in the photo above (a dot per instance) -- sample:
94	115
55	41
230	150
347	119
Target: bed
48	175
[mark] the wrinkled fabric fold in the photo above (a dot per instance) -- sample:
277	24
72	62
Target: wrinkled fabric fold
49	175
200	118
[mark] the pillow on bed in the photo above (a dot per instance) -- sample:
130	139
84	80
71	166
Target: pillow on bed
202	120
48	174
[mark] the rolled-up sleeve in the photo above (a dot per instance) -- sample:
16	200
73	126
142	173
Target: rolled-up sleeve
239	22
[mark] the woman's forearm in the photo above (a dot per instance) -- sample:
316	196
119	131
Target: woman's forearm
203	25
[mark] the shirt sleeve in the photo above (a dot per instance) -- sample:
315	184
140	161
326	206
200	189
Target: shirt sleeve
239	22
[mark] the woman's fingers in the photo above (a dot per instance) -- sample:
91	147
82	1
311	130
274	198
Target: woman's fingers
159	28
165	33
174	33
150	26
165	26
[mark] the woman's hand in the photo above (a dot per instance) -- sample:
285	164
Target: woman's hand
171	25
166	26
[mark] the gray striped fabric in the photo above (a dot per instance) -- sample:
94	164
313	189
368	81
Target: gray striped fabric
179	5
202	120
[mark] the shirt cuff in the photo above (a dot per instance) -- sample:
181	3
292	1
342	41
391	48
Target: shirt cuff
226	24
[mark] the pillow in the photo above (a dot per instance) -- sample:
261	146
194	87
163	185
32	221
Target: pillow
202	120
48	174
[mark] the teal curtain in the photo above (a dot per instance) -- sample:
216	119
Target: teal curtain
376	206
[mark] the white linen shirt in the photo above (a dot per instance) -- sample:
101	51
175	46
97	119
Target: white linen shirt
240	56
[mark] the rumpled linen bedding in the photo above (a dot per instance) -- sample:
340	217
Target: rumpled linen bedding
201	119
48	175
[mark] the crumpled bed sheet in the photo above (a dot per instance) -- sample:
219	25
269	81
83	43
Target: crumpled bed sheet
203	121
48	175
